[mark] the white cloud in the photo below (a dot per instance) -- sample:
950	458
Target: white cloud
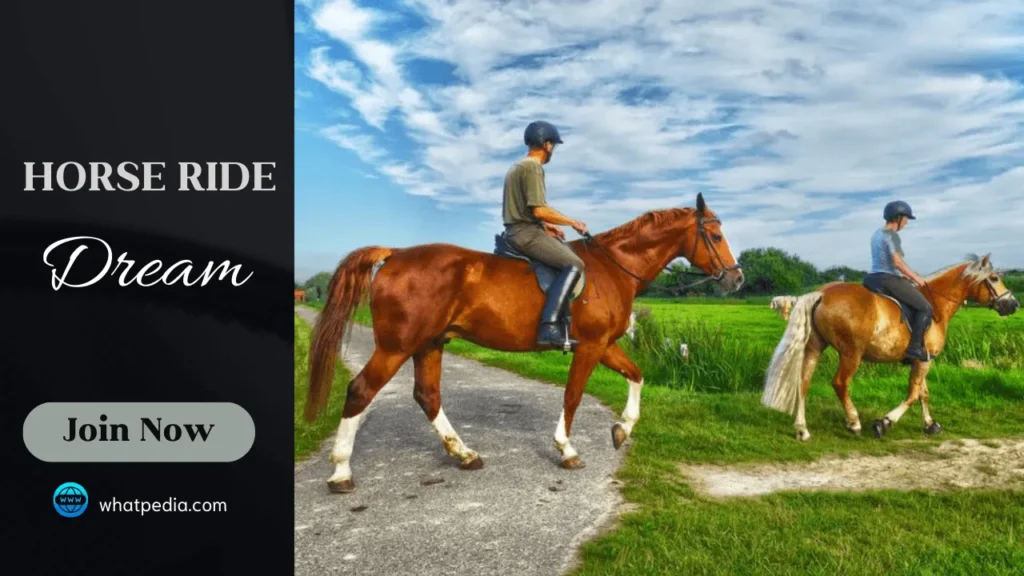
775	111
348	137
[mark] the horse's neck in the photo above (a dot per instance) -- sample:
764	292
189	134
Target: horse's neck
651	249
947	294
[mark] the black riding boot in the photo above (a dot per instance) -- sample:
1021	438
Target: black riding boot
548	333
918	326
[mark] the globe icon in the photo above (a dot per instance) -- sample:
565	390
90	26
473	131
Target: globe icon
70	499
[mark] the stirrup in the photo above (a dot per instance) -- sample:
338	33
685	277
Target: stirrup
568	343
908	357
562	342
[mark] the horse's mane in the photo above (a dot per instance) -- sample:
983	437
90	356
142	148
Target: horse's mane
975	271
645	220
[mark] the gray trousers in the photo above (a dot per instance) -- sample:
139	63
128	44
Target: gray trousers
533	241
901	289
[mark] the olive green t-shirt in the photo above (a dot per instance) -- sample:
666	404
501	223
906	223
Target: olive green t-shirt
524	189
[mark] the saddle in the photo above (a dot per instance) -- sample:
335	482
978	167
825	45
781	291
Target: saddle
880	291
545	274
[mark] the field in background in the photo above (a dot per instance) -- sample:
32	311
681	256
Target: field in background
707	410
731	346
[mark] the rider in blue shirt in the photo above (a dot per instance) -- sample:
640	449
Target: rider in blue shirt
891	275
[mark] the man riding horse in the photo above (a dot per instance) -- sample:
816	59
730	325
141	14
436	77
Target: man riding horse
891	275
531	226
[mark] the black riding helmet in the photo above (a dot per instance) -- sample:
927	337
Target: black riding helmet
894	210
540	132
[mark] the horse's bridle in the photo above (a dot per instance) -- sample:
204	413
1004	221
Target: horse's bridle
716	258
994	294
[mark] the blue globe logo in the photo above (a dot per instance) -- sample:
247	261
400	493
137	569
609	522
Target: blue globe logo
70	499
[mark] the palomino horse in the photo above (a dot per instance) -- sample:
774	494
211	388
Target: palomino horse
783	305
863	325
422	296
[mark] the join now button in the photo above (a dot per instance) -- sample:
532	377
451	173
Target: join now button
138	432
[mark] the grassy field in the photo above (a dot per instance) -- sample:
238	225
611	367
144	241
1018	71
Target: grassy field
708	410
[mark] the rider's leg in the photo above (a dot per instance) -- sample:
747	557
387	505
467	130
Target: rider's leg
920	316
873	281
536	244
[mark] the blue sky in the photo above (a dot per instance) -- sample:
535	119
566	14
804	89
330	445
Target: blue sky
798	120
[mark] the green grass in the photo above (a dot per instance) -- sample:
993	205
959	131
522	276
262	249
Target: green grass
893	533
708	410
309	435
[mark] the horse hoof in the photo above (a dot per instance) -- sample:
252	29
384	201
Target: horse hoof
853	430
475	464
934	428
573	463
341	486
881	426
618	435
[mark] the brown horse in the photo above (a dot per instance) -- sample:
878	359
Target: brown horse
421	297
862	325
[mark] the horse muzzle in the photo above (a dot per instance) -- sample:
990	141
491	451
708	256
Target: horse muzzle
731	280
1006	306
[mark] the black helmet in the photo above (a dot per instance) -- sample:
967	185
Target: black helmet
894	210
539	132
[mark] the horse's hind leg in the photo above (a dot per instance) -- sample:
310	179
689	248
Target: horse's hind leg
917	376
616	359
848	365
812	352
361	391
427	365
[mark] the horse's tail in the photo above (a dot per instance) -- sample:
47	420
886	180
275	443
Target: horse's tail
345	292
782	382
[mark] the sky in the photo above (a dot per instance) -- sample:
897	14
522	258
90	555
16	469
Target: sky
798	120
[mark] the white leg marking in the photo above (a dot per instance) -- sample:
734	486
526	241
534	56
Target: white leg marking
562	439
897	412
452	443
855	424
800	423
342	451
631	413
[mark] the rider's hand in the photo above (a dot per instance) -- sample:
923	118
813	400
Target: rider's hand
919	281
555	231
579	227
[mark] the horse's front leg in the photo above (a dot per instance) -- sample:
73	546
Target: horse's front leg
584	360
616	359
917	376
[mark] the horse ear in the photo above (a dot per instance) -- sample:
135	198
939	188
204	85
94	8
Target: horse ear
985	261
701	206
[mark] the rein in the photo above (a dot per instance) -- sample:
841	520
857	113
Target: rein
716	259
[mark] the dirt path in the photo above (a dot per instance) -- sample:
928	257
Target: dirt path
952	465
415	512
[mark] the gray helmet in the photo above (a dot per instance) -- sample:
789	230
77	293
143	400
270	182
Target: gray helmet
540	132
894	210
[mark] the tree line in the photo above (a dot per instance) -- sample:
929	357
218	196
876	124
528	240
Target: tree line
768	272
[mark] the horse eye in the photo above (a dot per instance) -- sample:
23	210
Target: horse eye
716	237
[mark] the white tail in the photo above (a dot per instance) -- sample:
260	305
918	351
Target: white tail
782	382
